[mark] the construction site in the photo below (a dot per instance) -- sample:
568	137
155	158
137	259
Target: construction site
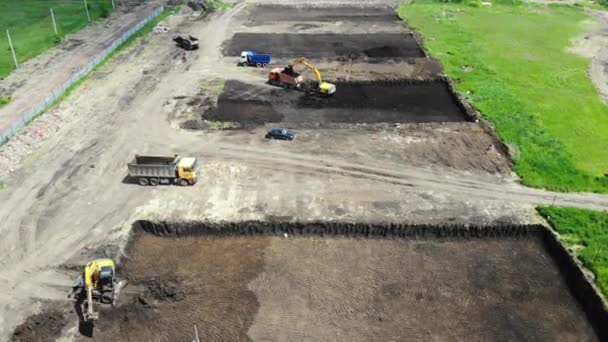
393	214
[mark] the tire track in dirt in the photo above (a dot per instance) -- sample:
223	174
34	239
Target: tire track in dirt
480	186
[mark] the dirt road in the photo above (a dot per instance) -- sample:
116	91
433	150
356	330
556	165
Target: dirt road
68	200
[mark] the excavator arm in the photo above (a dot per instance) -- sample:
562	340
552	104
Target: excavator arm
89	284
325	88
307	64
94	272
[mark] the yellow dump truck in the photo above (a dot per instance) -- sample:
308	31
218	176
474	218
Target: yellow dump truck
154	170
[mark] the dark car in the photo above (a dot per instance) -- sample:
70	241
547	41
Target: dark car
280	133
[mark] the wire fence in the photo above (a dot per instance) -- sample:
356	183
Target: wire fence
28	27
38	108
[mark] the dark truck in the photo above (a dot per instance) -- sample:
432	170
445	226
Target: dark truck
154	170
186	42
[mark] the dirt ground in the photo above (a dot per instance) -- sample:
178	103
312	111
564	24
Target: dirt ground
41	327
356	102
265	14
68	200
326	45
343	289
594	45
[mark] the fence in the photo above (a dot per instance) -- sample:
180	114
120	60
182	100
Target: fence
55	94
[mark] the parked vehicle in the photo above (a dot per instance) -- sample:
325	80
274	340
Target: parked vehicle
186	42
251	58
154	170
280	133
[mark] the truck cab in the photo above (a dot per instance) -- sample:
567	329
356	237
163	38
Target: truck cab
245	55
187	170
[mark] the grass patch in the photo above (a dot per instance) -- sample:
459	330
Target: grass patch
523	79
4	100
219	5
31	26
146	29
587	232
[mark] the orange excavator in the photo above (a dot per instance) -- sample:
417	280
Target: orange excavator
288	78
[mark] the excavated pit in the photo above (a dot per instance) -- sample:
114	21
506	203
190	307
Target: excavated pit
328	45
267	14
339	281
403	101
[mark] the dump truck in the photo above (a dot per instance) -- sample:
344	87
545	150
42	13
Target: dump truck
154	170
251	58
186	42
287	77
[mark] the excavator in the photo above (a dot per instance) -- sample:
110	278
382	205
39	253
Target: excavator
98	278
288	78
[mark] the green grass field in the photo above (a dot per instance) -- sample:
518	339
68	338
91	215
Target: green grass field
31	27
514	63
587	232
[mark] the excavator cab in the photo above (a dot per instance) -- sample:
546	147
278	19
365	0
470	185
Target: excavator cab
106	276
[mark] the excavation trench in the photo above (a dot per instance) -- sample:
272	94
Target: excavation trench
266	14
402	101
327	45
327	281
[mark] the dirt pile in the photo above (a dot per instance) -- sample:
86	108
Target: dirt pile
41	327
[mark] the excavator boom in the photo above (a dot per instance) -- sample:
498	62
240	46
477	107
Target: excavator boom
325	88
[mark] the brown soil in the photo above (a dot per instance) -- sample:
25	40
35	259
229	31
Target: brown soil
348	289
186	281
377	45
45	326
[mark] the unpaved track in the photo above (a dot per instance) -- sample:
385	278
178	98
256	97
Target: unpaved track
69	195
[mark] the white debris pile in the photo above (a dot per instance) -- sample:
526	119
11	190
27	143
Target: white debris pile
160	28
27	140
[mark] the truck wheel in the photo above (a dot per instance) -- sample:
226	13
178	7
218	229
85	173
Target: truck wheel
143	181
183	182
264	65
154	181
259	65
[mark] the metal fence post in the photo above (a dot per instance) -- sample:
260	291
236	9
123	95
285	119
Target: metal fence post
54	23
86	8
10	43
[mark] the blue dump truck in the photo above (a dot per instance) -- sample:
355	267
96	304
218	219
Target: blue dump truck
250	58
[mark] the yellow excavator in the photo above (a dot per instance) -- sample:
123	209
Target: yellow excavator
97	280
288	78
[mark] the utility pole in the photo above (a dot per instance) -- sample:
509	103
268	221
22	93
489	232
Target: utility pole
10	43
54	23
86	8
113	6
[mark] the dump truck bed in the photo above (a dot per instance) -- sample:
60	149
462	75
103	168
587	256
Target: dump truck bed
153	166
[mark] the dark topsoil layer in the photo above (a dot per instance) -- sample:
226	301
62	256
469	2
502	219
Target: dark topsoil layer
353	102
41	327
268	287
326	45
265	14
